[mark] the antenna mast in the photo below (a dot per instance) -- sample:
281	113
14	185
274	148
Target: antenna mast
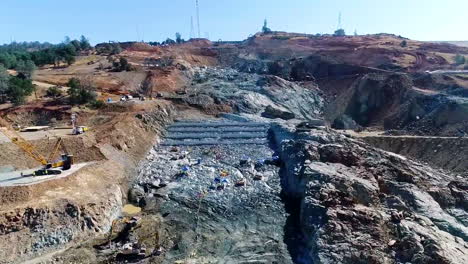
192	30
198	19
340	26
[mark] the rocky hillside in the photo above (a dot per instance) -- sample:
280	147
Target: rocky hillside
251	171
357	204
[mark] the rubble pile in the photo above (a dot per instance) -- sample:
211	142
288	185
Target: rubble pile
221	200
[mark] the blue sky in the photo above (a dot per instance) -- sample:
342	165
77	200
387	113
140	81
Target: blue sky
155	20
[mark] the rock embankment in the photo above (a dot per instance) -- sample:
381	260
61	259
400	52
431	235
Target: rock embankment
363	205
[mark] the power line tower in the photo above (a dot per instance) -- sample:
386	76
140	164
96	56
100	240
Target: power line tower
340	26
192	30
198	19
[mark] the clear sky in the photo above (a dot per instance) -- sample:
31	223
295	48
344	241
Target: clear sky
155	20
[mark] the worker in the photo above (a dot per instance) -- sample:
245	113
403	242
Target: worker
224	173
225	182
184	171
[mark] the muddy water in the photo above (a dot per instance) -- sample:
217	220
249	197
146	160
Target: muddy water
130	209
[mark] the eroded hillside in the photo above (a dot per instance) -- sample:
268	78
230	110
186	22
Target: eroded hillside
252	171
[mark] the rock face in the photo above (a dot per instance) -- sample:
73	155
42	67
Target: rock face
251	94
344	122
362	205
273	113
390	101
32	231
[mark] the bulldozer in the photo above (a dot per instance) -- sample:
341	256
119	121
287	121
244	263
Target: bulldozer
49	166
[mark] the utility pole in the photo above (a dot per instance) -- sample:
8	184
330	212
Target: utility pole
198	19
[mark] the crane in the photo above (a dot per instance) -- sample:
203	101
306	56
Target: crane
65	162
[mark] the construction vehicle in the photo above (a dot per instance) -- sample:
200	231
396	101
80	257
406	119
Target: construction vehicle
77	130
49	166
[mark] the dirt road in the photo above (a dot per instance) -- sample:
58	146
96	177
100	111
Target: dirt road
365	134
39	134
15	178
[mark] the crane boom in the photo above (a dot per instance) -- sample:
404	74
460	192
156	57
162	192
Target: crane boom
27	147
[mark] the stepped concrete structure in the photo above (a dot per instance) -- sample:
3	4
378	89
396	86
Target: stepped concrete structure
199	133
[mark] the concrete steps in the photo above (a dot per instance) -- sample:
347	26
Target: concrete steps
191	133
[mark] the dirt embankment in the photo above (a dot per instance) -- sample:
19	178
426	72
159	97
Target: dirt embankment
446	153
81	147
57	214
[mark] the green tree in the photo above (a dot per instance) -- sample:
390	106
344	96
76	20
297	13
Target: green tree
74	83
67	40
124	65
70	59
80	92
26	68
4	78
460	59
339	32
265	28
404	44
84	43
116	49
178	37
18	89
169	41
8	60
76	44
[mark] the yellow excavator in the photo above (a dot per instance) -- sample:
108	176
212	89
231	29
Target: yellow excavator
49	166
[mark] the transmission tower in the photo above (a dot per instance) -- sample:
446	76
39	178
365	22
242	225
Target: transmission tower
198	19
192	30
340	26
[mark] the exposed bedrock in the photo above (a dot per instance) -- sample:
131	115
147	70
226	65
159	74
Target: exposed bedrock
363	205
390	101
447	153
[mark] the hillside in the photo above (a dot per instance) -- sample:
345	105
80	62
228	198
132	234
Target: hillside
247	152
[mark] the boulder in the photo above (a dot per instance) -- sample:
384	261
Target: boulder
271	112
345	122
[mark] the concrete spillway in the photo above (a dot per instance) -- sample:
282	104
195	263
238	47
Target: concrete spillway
216	133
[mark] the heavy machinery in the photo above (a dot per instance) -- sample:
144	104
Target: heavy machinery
77	130
49	166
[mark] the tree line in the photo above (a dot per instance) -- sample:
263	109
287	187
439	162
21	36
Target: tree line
14	88
16	55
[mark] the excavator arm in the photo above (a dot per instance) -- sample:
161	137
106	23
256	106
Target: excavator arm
27	147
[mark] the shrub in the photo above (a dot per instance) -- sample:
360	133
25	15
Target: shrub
122	65
459	59
53	92
97	104
404	44
340	33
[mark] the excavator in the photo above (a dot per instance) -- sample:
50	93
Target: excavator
49	167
